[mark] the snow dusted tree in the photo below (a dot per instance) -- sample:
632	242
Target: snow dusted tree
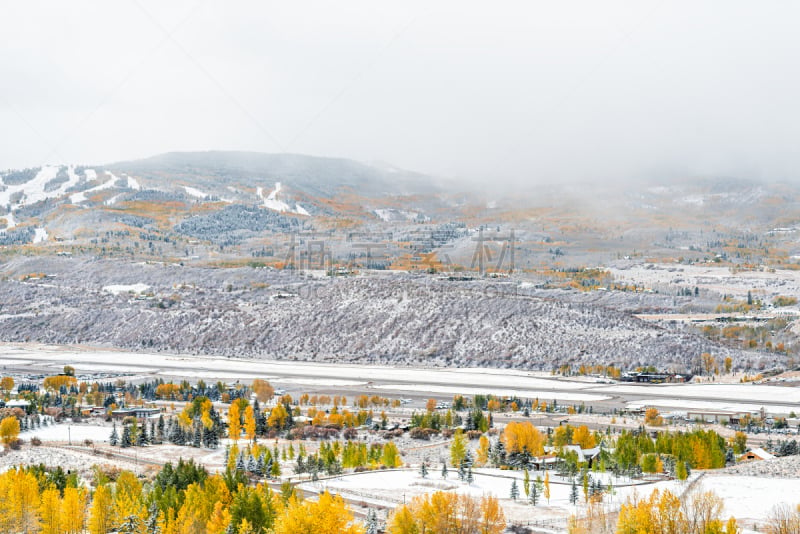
126	437
372	522
514	490
114	439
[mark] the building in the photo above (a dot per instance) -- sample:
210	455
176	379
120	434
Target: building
756	454
139	413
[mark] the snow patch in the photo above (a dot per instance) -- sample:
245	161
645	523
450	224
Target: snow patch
10	221
32	191
77	198
132	288
271	201
133	183
299	209
39	235
191	191
393	215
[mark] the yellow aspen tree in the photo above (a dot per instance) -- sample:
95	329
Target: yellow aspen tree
402	522
246	528
50	511
329	515
5	512
391	457
220	519
9	429
482	456
128	498
101	515
493	520
547	486
23	502
234	422
73	511
249	423
583	437
458	449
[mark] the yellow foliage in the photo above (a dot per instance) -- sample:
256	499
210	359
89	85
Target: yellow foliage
444	512
523	436
328	515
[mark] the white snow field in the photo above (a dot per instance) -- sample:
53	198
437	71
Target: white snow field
66	432
443	381
749	499
524	393
132	288
194	192
77	198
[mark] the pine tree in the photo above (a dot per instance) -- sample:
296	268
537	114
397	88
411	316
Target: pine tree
514	490
534	495
198	436
573	493
160	429
151	523
144	437
130	525
372	522
126	436
114	439
251	464
470	478
259	468
444	470
423	470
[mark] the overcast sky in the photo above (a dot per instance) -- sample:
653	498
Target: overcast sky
494	91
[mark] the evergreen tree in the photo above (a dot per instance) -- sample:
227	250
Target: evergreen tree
198	435
160	429
423	470
534	494
514	490
372	522
144	437
151	523
126	437
573	493
470	478
114	439
444	470
259	468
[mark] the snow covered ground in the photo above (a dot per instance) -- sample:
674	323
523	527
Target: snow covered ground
442	381
77	198
712	278
747	498
65	432
194	192
40	235
132	288
713	406
495	390
271	201
399	486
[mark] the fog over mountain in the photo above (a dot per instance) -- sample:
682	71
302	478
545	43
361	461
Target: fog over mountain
527	93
